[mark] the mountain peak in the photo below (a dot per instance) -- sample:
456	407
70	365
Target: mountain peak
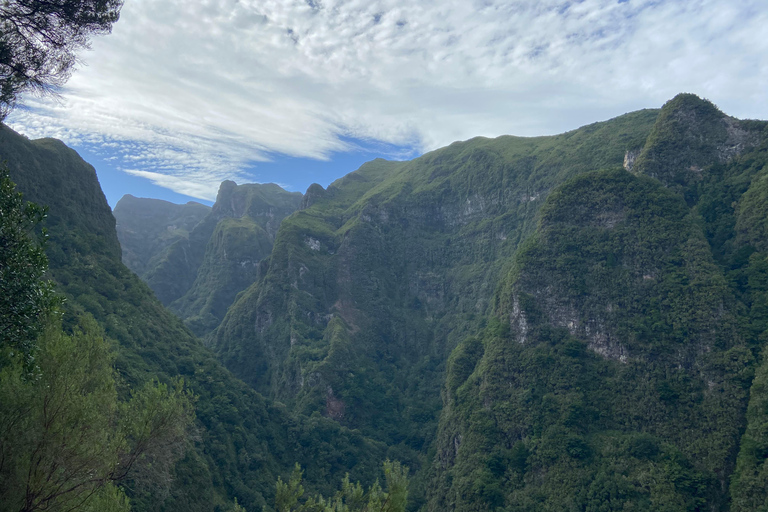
691	135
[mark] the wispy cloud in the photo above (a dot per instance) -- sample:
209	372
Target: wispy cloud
187	93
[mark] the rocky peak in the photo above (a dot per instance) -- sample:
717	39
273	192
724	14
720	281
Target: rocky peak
314	193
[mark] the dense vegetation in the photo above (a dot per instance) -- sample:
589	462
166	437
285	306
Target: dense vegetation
242	441
372	285
197	259
146	228
289	496
577	322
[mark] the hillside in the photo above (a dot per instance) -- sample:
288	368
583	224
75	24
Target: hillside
638	286
197	259
146	228
571	322
243	440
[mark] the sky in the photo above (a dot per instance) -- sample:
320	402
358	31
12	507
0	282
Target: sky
187	93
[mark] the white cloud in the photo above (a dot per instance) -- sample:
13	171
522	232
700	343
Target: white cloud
193	90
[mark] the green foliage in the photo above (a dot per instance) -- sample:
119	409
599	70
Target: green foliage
690	135
146	228
589	340
351	497
594	393
370	287
25	296
65	438
241	440
197	259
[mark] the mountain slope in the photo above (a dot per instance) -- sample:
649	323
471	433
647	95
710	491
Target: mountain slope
147	227
372	285
244	441
198	259
246	219
617	370
634	288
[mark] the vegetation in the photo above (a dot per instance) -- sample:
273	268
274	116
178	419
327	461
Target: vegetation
198	259
24	294
146	228
39	39
523	330
240	441
65	439
351	497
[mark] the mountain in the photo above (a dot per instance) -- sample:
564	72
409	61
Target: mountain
243	441
197	259
146	228
622	363
535	323
572	322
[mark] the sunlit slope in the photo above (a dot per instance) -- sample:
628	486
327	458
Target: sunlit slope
372	285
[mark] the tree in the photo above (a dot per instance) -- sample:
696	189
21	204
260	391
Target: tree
39	39
24	293
351	498
66	439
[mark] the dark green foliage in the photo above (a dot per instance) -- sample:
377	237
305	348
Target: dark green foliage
65	439
39	39
198	259
351	497
370	287
525	332
147	227
690	135
601	379
25	296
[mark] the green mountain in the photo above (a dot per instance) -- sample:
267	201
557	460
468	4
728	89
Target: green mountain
147	228
197	260
566	322
374	283
243	441
574	322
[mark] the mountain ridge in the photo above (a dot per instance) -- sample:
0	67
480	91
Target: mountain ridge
577	321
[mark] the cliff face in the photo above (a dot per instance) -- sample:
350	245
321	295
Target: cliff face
620	361
576	322
197	259
242	441
371	286
561	335
616	329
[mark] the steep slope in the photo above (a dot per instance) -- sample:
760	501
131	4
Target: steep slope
734	204
245	220
243	441
197	259
617	372
600	348
147	227
618	367
372	285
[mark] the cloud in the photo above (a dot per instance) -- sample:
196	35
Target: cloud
191	92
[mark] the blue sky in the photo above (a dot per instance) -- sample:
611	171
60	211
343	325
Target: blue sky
292	173
186	93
